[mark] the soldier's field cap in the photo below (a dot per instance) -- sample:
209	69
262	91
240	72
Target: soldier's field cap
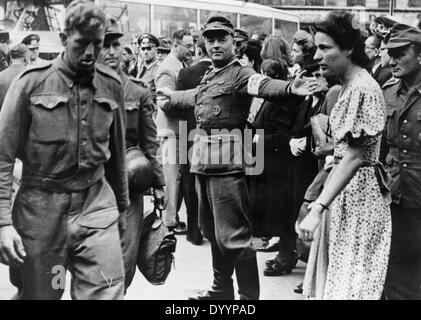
31	41
4	36
148	38
241	35
218	23
112	31
165	44
403	35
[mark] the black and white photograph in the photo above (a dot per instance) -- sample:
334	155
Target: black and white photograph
223	151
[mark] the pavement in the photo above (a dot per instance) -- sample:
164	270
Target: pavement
193	270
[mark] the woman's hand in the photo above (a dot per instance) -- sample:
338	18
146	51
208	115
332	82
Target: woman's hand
310	223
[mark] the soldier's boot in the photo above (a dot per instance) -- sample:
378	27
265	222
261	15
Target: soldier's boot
247	274
222	288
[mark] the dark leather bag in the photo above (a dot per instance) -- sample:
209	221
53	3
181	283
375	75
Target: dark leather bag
156	249
322	138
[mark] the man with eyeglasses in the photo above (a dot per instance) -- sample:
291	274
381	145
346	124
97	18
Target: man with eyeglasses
148	64
168	127
381	73
32	43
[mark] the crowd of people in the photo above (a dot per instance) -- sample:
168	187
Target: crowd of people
336	114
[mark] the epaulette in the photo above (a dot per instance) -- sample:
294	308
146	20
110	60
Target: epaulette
390	82
108	72
40	67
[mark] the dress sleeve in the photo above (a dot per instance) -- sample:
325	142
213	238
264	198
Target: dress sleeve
362	113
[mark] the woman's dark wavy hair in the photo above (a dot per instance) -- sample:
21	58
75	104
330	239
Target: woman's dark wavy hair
252	51
342	27
275	68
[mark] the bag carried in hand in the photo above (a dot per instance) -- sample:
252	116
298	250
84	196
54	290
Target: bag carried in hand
323	142
157	245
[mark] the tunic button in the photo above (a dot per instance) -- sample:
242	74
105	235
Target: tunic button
83	122
405	151
216	110
405	121
405	165
199	118
404	136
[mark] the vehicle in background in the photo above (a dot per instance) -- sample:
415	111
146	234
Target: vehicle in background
163	17
43	17
160	17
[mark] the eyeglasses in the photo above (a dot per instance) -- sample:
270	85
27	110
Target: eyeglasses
186	45
162	52
146	48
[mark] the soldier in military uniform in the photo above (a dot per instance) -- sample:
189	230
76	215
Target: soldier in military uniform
65	121
32	43
222	102
149	63
240	42
140	132
403	102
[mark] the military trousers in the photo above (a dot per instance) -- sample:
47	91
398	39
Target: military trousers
130	239
224	214
169	151
403	280
75	231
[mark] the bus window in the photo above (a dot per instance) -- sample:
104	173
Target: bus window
206	14
132	17
253	23
166	20
285	29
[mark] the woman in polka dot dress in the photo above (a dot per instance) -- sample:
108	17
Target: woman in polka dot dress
356	192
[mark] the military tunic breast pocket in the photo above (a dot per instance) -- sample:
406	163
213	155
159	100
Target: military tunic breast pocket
102	118
221	90
50	119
